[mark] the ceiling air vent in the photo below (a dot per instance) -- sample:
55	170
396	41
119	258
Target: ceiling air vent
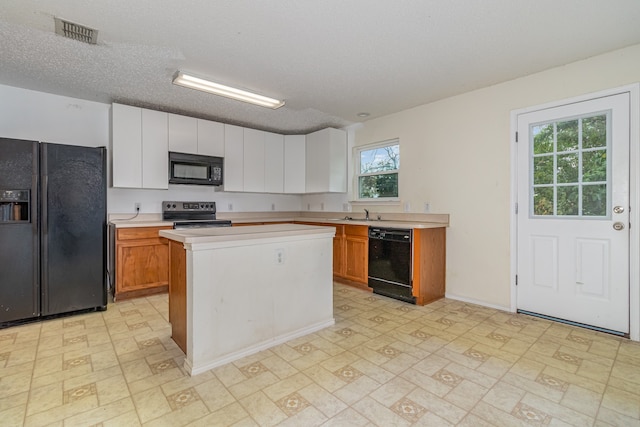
76	31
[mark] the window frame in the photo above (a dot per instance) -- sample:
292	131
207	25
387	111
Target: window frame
356	176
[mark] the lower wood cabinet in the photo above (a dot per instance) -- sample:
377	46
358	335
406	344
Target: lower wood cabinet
429	264
356	253
142	262
178	294
338	252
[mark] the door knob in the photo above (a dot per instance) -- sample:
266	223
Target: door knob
618	226
618	209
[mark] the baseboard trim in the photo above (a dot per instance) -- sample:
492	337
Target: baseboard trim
477	302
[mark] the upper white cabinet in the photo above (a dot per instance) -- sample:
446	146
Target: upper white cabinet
183	134
210	138
155	147
294	164
195	136
253	160
139	148
233	158
273	163
326	161
126	146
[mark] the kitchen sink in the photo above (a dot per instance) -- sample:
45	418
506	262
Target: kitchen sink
348	218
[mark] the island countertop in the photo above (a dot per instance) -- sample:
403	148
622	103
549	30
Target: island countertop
230	234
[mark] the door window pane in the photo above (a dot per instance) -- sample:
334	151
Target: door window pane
567	168
570	167
594	200
567	135
594	166
568	200
543	201
543	139
543	170
594	131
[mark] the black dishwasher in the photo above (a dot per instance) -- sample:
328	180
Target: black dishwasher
390	263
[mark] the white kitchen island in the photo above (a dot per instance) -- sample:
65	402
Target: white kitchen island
234	291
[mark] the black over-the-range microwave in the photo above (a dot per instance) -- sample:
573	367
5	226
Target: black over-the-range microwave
194	169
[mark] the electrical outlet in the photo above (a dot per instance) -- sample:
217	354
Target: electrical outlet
137	206
230	207
273	206
321	206
345	207
280	256
407	207
427	207
308	206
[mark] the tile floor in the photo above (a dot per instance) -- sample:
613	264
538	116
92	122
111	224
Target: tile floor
384	363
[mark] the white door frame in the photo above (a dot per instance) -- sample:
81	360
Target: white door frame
634	196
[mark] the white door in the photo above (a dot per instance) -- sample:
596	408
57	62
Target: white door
573	212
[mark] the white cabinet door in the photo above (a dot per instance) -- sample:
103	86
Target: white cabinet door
126	146
210	138
183	134
337	160
254	160
233	158
317	160
326	161
294	164
273	163
155	157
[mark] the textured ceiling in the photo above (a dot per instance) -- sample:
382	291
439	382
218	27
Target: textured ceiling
329	59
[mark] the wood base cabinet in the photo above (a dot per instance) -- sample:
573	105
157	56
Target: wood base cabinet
338	252
142	262
178	294
356	253
429	264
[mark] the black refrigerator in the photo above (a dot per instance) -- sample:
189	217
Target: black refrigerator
52	230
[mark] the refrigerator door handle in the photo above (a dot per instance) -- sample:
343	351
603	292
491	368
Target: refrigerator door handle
44	228
34	217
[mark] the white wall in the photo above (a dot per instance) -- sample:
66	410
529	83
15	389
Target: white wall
455	154
122	200
27	114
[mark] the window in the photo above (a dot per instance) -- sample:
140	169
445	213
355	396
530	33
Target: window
377	170
570	167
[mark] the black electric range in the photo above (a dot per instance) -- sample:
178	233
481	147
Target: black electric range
192	214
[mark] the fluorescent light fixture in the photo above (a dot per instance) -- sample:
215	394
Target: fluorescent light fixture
197	83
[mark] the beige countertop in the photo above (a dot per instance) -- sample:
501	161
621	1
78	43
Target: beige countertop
233	234
390	220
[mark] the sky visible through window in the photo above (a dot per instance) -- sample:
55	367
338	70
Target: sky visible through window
380	159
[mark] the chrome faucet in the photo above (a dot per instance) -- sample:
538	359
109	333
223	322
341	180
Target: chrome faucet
366	214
